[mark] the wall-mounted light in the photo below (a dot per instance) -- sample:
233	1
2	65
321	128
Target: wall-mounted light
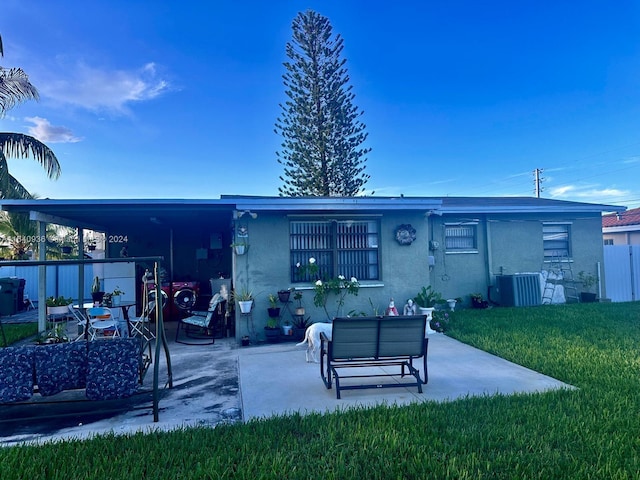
240	213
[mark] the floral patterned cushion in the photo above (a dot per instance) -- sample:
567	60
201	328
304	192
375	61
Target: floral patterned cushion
61	367
199	319
112	370
16	374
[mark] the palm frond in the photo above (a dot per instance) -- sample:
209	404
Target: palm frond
18	145
15	88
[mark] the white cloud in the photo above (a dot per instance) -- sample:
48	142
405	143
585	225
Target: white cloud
588	193
104	90
47	133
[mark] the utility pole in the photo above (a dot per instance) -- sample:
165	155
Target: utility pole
537	181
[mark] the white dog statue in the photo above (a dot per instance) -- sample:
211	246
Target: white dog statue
312	339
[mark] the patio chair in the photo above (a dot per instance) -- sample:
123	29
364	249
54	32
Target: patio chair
141	326
101	320
81	323
201	325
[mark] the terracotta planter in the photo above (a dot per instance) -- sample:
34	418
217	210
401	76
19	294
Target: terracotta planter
283	295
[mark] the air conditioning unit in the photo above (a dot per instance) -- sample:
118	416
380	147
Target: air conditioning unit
520	290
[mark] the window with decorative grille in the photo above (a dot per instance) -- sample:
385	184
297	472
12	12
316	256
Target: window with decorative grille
461	237
340	247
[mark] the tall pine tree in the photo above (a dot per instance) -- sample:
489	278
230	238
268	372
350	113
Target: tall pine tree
322	151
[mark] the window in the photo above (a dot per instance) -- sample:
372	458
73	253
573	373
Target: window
461	237
608	241
340	247
556	240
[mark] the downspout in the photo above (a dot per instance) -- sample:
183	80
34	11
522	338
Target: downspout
488	253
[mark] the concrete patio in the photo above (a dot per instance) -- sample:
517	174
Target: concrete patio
224	383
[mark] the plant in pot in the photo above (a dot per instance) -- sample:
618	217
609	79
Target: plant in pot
58	305
116	296
300	325
240	247
273	309
477	301
96	293
56	334
297	296
283	295
244	299
272	330
587	280
427	298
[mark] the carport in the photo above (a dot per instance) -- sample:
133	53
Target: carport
191	235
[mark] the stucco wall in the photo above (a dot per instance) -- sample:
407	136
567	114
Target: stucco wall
404	269
507	244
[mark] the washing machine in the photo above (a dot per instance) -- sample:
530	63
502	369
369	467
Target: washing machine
183	298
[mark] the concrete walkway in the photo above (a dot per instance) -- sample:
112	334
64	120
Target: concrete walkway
225	383
275	380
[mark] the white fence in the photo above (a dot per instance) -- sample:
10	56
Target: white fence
622	272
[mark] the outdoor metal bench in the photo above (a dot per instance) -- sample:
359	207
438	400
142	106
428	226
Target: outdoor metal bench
393	341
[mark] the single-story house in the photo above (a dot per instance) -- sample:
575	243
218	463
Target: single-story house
621	228
393	246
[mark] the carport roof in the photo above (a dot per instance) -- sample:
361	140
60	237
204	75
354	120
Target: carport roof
106	214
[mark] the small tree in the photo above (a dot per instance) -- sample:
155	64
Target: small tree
322	151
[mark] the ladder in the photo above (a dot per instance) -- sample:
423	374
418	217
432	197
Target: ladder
559	273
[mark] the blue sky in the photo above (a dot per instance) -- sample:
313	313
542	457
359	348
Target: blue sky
148	99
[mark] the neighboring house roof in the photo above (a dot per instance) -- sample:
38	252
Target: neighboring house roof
108	213
622	222
630	217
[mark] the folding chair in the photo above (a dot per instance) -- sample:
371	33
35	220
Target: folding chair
81	323
141	326
100	320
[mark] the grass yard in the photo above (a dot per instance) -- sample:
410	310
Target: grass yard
17	331
591	432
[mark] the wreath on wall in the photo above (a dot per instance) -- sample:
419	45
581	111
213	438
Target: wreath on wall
405	234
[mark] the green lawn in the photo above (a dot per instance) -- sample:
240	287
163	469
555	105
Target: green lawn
591	432
15	332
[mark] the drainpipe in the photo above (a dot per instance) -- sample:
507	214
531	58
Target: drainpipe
488	251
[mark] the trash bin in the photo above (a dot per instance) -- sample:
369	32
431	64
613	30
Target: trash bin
8	295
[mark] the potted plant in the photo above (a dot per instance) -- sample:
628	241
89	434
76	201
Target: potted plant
58	305
300	325
588	280
96	293
244	299
477	301
240	247
55	335
297	296
91	244
283	295
287	329
272	330
273	309
116	296
426	299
